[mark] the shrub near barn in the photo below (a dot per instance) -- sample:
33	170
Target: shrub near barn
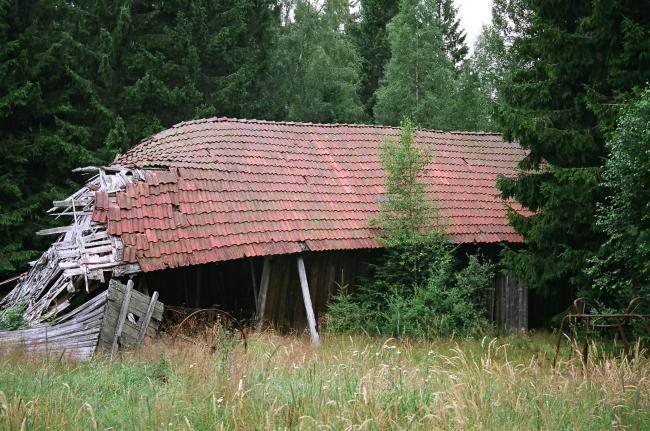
418	287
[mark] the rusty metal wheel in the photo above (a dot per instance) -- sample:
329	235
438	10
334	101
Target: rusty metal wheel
206	326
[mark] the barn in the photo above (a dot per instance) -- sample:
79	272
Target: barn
261	218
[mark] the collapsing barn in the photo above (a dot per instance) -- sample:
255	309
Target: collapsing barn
260	218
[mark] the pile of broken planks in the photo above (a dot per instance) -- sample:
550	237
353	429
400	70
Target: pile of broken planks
76	263
119	317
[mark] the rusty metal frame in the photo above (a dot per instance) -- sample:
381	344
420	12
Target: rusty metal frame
617	320
216	312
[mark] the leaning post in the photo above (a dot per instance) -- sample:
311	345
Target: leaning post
311	320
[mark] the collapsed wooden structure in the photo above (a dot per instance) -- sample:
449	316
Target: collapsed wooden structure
260	218
116	317
79	260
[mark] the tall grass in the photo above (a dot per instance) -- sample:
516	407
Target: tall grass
347	383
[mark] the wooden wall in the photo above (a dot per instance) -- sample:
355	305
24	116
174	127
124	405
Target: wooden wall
326	271
229	286
508	304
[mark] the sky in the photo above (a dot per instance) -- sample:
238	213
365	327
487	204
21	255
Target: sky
473	14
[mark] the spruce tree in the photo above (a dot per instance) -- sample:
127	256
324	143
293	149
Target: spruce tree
235	52
371	37
453	35
419	81
575	64
47	119
147	66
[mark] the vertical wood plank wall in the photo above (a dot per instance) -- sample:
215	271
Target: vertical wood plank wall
228	285
509	303
325	272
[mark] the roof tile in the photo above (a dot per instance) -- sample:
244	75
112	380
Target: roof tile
220	189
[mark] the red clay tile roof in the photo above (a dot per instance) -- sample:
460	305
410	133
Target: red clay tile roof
220	189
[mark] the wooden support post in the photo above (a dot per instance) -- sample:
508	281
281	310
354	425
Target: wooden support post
147	318
264	288
311	320
199	285
123	312
254	281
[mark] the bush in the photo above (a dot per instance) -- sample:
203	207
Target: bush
12	318
621	269
417	287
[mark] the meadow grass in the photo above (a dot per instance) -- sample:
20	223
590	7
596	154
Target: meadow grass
348	383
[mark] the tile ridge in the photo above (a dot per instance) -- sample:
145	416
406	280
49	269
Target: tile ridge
328	125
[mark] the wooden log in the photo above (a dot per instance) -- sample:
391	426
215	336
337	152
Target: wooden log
147	317
126	269
122	317
309	309
264	288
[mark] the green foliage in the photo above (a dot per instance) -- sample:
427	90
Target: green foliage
427	77
414	289
162	369
419	75
371	38
84	80
572	65
343	312
12	318
453	303
46	120
622	270
316	65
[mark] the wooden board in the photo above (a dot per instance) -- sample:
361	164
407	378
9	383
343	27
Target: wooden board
90	326
325	271
75	337
139	306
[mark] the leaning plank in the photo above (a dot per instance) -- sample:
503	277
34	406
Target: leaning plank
123	311
147	318
87	307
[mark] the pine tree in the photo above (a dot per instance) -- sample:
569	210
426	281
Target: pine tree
575	64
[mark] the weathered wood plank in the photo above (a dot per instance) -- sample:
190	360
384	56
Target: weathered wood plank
147	318
123	312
